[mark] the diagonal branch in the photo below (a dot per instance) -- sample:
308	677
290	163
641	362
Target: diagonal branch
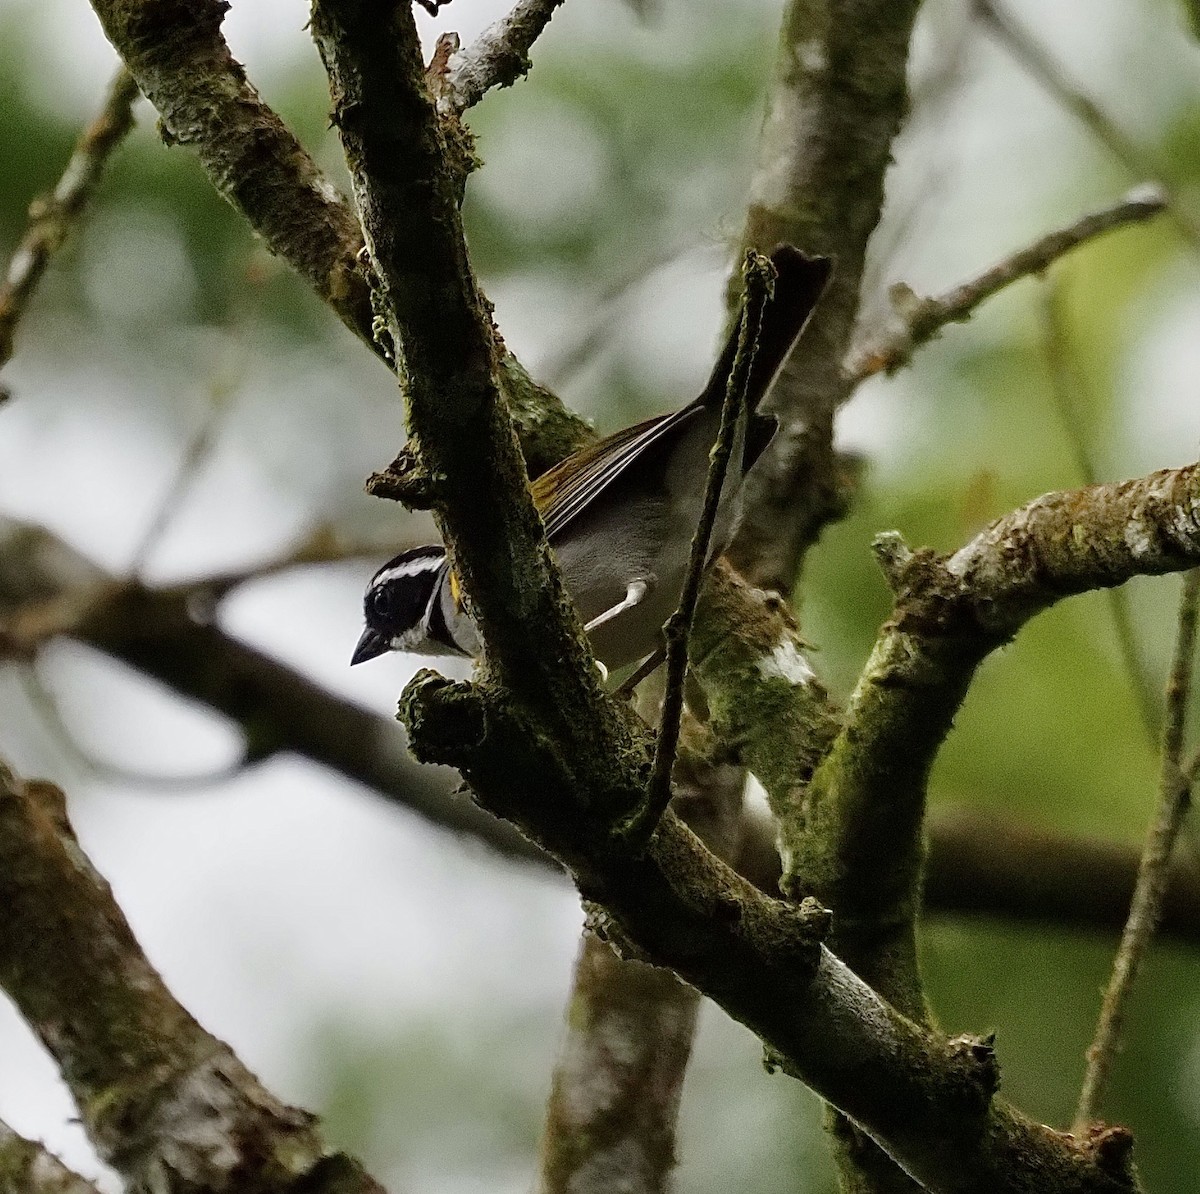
175	51
31	1168
170	635
52	219
1145	912
166	1104
921	319
758	274
442	330
949	615
498	57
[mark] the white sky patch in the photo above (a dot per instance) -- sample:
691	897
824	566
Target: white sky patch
786	662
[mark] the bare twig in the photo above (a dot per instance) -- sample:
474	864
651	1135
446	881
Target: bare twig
497	58
1065	388
52	218
1146	907
922	318
1054	80
195	452
758	275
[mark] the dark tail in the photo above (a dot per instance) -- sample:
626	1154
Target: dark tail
799	286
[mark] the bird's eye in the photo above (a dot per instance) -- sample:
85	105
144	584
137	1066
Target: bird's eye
382	602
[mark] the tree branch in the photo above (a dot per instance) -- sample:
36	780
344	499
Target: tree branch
497	58
175	51
837	100
981	865
30	1168
168	1106
47	588
442	330
758	275
867	798
52	218
923	318
1174	799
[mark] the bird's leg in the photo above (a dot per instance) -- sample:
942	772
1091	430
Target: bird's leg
633	594
650	664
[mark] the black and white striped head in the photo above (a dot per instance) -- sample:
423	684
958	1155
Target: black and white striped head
401	606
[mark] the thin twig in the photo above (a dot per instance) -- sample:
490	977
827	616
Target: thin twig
498	57
196	452
1066	387
758	275
52	217
923	318
1053	79
1146	906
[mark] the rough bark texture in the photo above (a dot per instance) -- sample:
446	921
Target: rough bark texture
613	1109
166	1104
836	103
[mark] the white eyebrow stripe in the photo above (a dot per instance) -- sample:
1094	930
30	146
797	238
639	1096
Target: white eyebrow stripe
413	567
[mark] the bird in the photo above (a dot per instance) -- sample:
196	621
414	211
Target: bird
619	513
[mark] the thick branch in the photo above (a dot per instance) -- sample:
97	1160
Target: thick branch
858	840
47	588
837	100
981	865
927	1100
836	103
175	51
444	338
165	1103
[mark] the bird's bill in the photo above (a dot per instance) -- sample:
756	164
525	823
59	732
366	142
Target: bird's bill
371	644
